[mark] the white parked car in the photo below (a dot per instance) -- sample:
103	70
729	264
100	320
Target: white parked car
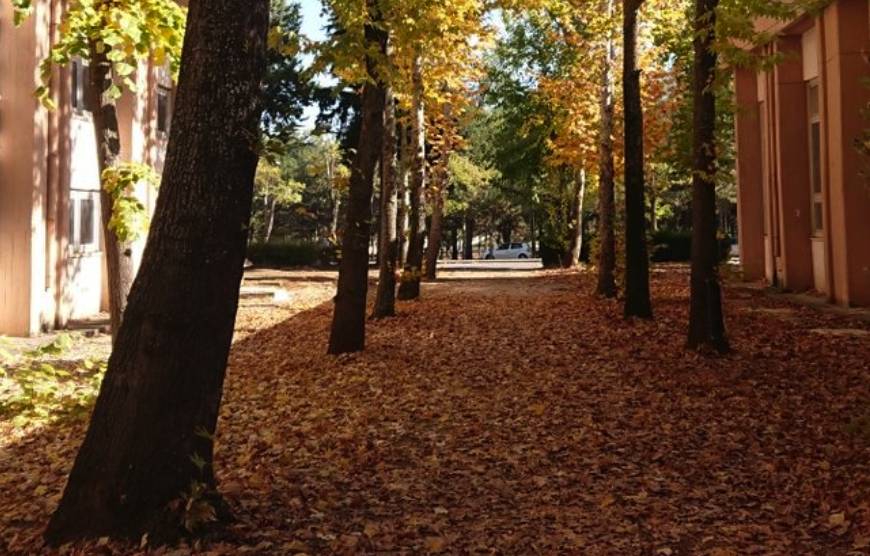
509	251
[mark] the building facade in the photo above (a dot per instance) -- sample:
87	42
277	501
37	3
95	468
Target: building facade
804	185
52	265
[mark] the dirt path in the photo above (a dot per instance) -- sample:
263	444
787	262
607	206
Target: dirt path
518	414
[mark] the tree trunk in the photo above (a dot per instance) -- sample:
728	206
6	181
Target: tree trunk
506	231
436	227
271	223
150	439
706	322
454	243
402	196
534	233
606	171
349	319
119	254
468	244
336	213
410	286
637	298
385	302
572	258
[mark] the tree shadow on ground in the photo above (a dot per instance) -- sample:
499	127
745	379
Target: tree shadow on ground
548	426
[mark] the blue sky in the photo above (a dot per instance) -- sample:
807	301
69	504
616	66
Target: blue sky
312	19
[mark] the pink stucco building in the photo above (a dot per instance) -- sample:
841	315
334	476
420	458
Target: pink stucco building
804	187
52	267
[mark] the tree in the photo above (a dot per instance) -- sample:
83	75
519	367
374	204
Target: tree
706	321
274	188
285	88
348	324
116	37
606	286
409	287
637	297
146	462
385	302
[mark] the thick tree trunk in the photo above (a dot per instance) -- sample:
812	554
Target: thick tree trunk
410	286
119	254
349	319
607	171
436	227
572	258
385	302
149	443
468	244
706	322
637	298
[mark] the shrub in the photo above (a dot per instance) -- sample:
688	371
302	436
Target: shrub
291	253
676	246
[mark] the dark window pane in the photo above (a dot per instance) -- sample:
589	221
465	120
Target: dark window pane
86	225
816	154
516	246
503	247
818	219
74	89
813	101
163	110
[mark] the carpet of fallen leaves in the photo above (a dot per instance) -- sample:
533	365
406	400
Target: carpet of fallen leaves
519	414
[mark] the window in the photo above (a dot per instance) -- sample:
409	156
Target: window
164	109
83	220
815	145
516	245
80	75
504	247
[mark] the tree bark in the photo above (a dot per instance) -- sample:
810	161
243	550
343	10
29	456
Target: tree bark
436	226
468	244
402	195
410	286
273	206
119	254
606	172
385	302
637	297
572	258
348	322
150	438
706	321
454	243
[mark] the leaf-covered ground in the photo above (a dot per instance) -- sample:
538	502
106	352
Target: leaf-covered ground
519	414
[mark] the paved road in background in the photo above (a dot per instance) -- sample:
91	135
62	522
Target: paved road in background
507	265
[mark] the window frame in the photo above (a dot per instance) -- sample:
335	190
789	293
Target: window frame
77	199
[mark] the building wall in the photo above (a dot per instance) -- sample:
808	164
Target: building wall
806	236
48	162
23	180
